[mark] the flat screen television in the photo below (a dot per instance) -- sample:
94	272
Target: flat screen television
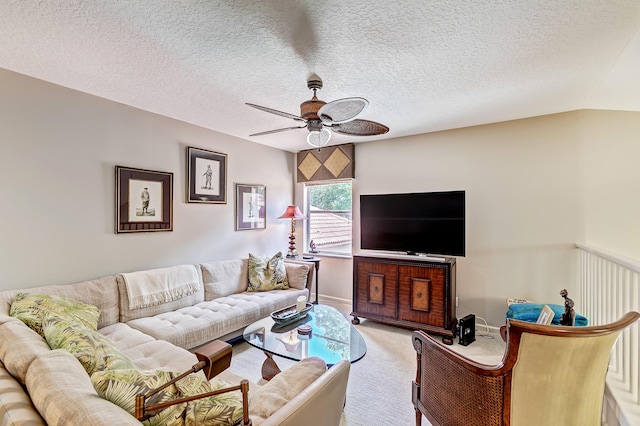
429	223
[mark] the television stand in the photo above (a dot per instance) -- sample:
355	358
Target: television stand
406	291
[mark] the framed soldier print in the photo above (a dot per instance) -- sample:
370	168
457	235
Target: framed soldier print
144	200
206	176
251	207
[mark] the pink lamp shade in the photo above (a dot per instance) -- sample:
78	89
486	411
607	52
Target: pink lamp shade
292	212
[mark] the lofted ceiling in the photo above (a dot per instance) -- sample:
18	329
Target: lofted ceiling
424	66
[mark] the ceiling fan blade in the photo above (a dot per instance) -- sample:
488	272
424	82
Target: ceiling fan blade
342	110
276	112
268	132
360	128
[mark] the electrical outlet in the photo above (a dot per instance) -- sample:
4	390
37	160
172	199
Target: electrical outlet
456	301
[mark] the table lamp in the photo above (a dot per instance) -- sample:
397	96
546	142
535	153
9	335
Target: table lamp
293	213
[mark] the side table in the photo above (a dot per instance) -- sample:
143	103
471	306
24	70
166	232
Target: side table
316	261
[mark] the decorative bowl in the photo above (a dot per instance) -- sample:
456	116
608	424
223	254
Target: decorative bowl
290	314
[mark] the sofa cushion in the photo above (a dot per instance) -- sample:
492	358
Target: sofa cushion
31	308
5	307
224	277
125	337
15	405
128	314
94	351
160	355
19	346
56	382
102	293
206	321
122	386
297	274
265	400
267	273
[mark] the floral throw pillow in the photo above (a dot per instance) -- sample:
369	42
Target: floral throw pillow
218	410
267	273
94	351
31	308
121	387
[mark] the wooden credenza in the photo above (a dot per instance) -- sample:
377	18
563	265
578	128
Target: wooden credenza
406	291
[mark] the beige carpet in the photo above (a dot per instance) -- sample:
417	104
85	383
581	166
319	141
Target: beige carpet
379	389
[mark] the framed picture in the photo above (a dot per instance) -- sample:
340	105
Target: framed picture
251	206
144	200
546	315
206	176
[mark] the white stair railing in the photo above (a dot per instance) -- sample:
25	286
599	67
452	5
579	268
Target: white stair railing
609	288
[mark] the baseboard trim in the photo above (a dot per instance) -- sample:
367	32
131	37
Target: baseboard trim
331	299
618	407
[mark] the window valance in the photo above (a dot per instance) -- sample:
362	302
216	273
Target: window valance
328	163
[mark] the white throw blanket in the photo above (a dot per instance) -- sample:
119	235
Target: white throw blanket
157	286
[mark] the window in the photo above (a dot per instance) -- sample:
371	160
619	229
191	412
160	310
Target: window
329	226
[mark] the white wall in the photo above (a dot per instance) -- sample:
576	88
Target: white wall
611	169
534	188
57	187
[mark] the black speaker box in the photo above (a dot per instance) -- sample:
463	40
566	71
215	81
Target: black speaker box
467	330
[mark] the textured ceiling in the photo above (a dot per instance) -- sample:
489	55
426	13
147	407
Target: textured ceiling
424	66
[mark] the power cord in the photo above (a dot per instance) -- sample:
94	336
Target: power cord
487	334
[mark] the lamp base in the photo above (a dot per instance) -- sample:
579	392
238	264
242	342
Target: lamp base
292	245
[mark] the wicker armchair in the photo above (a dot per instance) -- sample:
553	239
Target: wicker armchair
548	375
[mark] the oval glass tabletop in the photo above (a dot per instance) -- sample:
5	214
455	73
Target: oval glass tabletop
332	338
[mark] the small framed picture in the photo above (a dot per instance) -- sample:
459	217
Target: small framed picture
144	200
546	315
206	176
251	206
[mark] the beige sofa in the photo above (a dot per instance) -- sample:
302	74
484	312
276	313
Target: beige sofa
43	386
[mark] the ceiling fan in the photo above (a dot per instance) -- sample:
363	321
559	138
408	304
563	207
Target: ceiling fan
319	117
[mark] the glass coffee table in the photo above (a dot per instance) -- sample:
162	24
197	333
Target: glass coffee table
332	339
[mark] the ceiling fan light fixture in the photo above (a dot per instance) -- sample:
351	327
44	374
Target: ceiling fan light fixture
322	119
319	138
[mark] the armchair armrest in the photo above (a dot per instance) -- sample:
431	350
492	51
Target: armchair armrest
453	390
318	404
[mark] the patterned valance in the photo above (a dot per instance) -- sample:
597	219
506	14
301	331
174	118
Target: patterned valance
331	162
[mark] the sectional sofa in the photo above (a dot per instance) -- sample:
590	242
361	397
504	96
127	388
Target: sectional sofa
178	309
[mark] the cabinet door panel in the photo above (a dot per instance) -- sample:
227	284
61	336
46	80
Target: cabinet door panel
421	295
376	286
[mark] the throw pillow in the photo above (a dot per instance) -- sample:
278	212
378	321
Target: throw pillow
224	277
95	352
297	274
31	309
121	387
267	274
217	410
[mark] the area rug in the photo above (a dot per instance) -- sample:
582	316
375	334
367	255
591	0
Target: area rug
379	388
